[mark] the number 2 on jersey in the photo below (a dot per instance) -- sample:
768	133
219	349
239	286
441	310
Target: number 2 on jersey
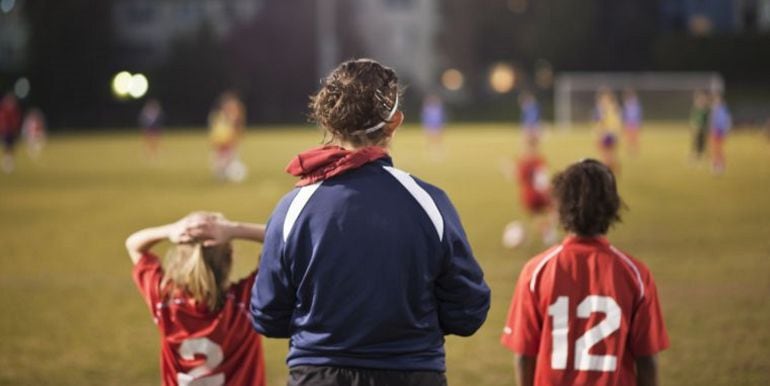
559	310
214	357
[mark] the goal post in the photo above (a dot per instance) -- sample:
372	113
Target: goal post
664	95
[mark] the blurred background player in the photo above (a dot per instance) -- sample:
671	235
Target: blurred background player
433	118
10	124
608	122
534	187
226	127
34	132
584	312
196	309
530	115
632	120
721	123
699	122
151	122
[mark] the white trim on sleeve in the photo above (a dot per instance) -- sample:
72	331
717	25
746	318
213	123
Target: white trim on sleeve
296	206
540	265
422	197
633	267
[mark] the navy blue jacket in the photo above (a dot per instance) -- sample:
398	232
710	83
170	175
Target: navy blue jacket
368	269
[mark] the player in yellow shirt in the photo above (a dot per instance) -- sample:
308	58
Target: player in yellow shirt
226	127
608	124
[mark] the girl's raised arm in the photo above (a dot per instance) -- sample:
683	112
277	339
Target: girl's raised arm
141	241
219	230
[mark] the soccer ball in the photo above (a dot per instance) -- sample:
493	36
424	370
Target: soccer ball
513	234
236	171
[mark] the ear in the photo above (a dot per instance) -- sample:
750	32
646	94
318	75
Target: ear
396	121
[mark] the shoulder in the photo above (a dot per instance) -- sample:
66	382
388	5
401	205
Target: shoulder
245	282
636	267
535	265
242	288
433	201
416	186
285	203
287	198
148	261
532	269
631	261
434	191
288	210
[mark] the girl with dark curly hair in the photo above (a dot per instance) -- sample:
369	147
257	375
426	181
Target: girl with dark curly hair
584	312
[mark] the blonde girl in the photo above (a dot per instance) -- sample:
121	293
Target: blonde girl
206	336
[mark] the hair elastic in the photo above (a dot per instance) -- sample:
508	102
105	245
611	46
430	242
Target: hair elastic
381	124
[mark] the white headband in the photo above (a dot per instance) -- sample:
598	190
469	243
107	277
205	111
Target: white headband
381	124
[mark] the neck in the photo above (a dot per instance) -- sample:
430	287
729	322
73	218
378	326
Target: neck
596	236
350	146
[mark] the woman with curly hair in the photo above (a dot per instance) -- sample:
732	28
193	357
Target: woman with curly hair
364	267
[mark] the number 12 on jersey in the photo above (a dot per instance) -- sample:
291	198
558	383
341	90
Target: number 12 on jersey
584	361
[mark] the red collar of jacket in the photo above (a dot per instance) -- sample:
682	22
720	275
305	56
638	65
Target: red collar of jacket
324	162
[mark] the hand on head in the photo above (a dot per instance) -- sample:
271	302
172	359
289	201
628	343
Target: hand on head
205	227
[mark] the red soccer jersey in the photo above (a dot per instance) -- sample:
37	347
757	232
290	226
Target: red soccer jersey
533	179
586	310
10	119
199	347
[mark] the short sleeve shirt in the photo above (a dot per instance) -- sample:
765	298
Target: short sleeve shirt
586	310
212	348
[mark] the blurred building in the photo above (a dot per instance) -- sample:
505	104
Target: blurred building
401	34
14	36
703	17
272	52
266	47
145	30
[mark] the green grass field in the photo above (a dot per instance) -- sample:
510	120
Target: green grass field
71	315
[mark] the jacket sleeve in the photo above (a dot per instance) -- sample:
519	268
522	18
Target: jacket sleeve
273	296
463	296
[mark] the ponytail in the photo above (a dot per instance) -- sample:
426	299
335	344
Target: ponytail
200	272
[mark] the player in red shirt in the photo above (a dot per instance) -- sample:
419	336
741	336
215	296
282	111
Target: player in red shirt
584	312
204	323
532	175
10	125
534	187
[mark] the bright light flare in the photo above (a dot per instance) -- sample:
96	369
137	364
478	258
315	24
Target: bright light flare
21	88
502	78
125	85
452	79
139	86
121	84
6	6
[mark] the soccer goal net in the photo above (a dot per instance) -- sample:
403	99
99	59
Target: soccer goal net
663	95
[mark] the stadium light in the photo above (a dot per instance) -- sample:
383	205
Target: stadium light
7	5
452	79
125	85
21	88
502	78
139	86
121	84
